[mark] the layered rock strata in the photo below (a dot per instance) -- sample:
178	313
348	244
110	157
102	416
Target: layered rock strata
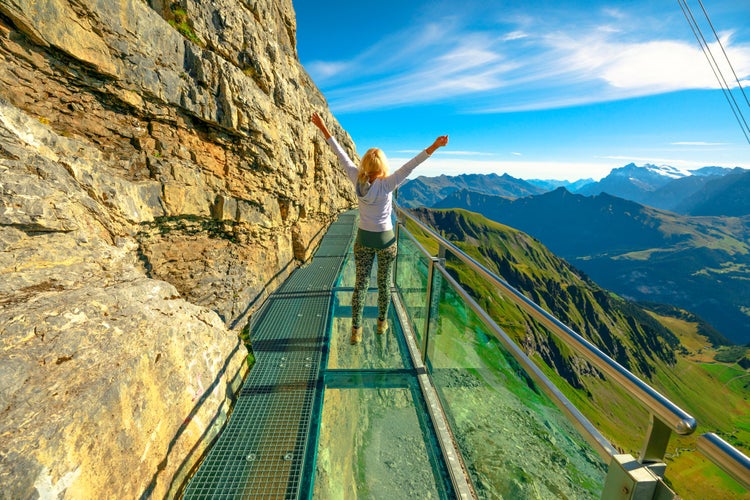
158	178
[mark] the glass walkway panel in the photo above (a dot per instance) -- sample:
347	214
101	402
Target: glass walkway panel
376	439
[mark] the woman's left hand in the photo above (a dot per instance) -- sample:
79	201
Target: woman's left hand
439	143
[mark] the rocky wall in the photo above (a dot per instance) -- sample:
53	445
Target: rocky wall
158	178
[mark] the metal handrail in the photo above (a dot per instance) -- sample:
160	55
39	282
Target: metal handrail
660	407
725	456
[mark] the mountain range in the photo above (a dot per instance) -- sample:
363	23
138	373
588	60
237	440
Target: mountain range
702	191
701	264
651	233
426	191
722	195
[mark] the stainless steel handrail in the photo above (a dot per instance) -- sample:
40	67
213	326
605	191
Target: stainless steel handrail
662	408
725	456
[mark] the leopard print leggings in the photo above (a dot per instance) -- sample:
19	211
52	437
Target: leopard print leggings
363	259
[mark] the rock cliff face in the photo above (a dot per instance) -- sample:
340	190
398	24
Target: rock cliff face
158	177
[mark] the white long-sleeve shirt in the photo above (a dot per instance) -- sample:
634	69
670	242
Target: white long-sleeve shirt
375	205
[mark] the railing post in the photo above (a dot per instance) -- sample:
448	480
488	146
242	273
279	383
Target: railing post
428	307
433	289
655	447
396	225
395	262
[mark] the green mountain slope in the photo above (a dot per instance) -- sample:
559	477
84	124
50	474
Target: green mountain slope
666	347
622	329
701	264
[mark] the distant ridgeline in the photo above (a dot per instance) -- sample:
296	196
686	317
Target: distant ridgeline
698	260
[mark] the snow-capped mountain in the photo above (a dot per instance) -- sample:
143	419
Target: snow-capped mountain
661	186
632	181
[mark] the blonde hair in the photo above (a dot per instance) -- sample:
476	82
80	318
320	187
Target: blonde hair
374	164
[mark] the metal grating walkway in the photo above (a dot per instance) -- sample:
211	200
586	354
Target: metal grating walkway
263	448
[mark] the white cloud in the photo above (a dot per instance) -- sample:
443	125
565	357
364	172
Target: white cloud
484	71
466	153
698	143
615	13
660	66
514	35
448	152
646	67
323	70
596	168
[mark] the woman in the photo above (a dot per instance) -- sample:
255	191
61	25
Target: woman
375	235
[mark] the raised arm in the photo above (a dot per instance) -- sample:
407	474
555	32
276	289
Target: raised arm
344	160
400	175
318	121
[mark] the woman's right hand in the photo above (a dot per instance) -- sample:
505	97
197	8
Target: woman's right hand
318	122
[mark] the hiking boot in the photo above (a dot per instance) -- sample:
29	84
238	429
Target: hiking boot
382	326
356	335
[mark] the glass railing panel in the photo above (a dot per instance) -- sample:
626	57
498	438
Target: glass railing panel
516	443
373	445
411	280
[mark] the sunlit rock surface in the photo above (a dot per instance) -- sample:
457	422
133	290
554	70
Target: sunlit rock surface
158	178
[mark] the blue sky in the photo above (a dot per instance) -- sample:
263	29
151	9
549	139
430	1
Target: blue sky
536	89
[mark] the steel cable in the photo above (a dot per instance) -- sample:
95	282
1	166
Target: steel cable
697	32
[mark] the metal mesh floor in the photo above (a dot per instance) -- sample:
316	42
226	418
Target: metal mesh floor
320	274
262	450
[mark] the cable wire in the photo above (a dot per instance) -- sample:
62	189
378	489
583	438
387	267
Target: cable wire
695	27
736	78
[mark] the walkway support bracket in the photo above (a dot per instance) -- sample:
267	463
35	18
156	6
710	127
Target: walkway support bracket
629	479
